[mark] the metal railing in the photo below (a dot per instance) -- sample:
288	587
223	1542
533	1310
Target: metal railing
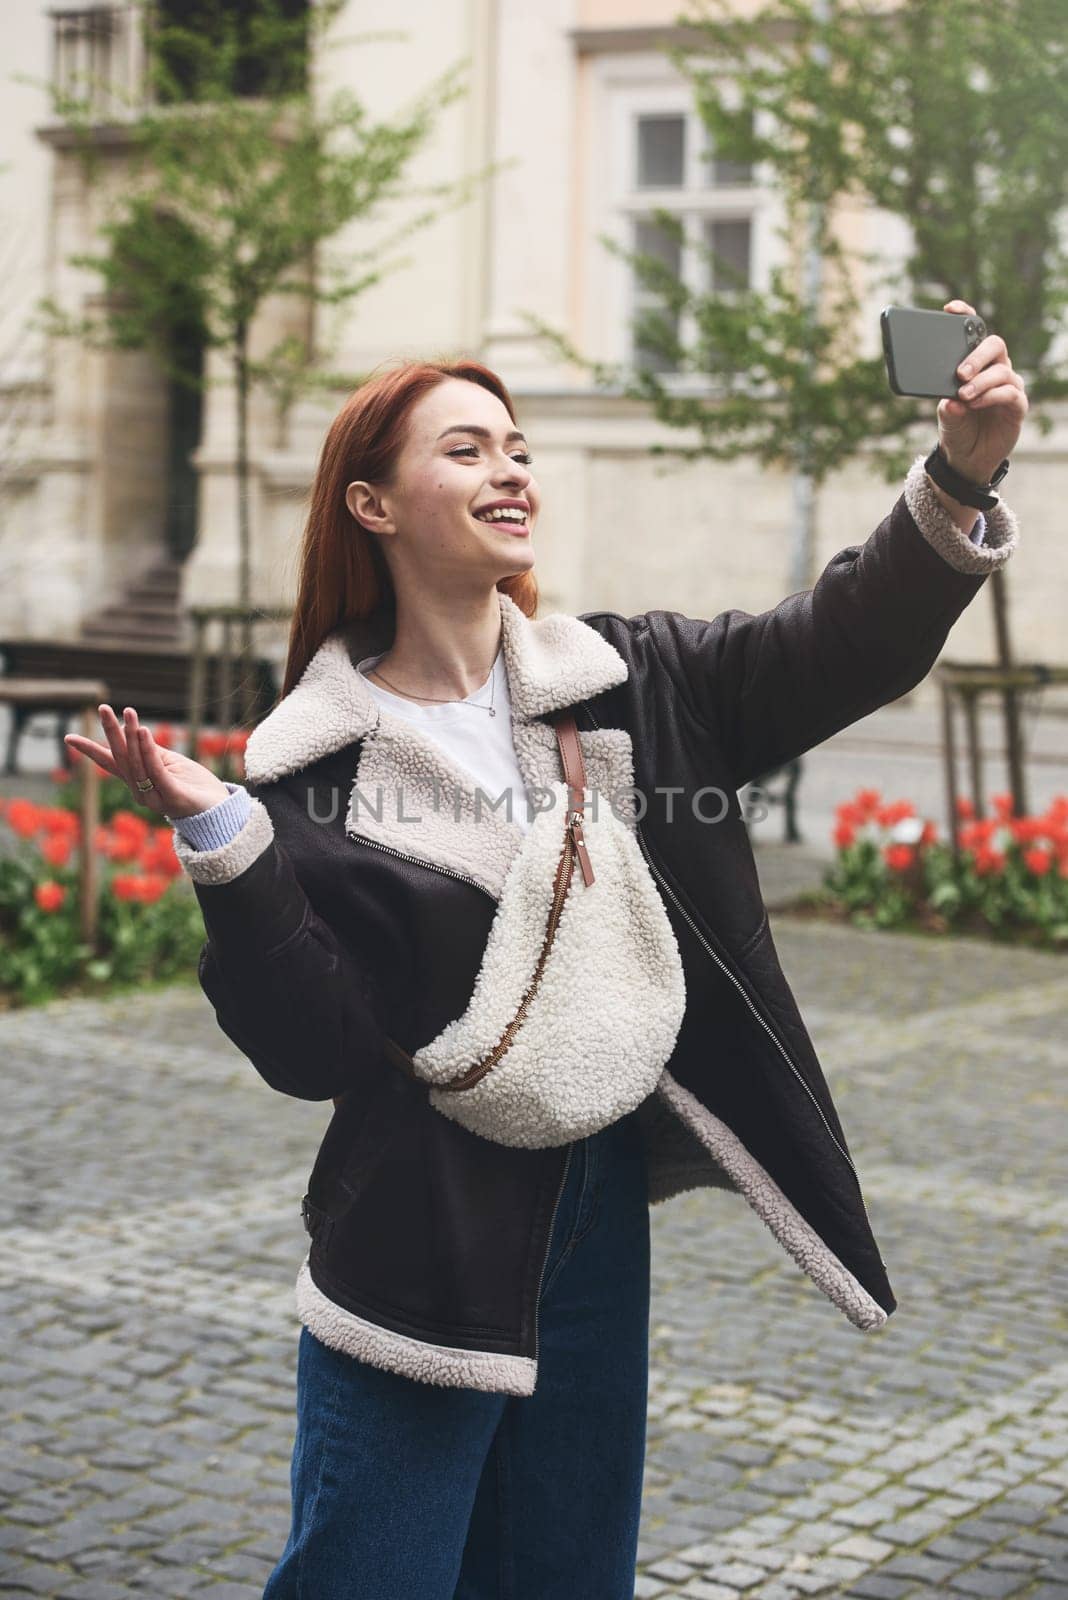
104	56
963	684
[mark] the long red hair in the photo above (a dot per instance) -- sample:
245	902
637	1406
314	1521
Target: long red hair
343	576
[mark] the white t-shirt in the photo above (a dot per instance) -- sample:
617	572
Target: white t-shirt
480	743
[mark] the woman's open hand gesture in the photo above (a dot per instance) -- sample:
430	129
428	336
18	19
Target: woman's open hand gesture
179	787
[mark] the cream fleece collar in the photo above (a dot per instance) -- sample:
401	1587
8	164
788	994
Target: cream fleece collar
551	661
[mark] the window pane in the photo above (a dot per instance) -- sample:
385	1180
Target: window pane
654	357
275	63
652	239
661	152
732	171
723	171
732	241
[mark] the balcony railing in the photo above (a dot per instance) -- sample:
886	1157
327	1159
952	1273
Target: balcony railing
98	59
101	57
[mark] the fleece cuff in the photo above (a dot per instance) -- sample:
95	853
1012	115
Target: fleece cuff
1001	532
226	862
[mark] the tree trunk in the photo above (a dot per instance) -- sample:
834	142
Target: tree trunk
1010	702
805	483
245	677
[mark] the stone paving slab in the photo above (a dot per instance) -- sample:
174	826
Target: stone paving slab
148	1417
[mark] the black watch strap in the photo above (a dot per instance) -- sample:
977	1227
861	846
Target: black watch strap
980	495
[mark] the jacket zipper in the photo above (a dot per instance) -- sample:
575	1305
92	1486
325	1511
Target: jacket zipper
722	965
548	1247
419	862
776	1041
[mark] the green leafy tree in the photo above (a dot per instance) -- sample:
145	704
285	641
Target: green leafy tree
952	114
968	141
770	372
239	172
984	190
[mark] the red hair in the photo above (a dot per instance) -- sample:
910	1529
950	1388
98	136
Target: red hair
343	575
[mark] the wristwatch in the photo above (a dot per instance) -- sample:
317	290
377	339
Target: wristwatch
980	495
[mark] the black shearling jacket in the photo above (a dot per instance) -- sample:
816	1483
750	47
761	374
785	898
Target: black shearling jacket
328	933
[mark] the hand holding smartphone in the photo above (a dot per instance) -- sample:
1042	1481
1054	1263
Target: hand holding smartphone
923	349
981	408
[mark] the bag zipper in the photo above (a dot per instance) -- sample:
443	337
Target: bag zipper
574	849
725	969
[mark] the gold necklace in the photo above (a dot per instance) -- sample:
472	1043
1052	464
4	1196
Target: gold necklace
443	701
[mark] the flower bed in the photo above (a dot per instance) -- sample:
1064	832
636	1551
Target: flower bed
1009	881
150	924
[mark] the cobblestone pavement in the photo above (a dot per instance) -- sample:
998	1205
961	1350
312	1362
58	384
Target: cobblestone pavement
149	1410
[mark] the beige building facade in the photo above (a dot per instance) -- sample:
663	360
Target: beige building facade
590	126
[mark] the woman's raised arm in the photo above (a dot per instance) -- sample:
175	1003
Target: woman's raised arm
770	686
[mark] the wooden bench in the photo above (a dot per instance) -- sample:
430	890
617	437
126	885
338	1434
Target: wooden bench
35	673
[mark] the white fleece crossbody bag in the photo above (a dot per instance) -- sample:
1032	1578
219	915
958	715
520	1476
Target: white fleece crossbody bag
580	994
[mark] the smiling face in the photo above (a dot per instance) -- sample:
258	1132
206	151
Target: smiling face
462	456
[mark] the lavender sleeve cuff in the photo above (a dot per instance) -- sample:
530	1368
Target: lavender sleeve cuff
210	829
978	533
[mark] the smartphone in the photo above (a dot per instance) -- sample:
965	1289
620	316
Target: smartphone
923	349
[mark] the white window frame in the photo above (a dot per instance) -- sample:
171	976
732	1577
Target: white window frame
625	87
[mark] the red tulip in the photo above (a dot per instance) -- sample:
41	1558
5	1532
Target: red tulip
867	802
56	850
24	818
49	895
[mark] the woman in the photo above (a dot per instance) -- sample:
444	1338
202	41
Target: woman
472	1364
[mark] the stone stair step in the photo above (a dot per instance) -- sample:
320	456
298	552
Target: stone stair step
130	606
161	588
147	613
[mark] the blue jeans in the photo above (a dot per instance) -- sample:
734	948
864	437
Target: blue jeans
404	1490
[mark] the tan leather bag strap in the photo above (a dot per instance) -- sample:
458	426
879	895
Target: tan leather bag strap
566	729
575	775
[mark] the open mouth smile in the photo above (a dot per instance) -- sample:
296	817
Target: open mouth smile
512	521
